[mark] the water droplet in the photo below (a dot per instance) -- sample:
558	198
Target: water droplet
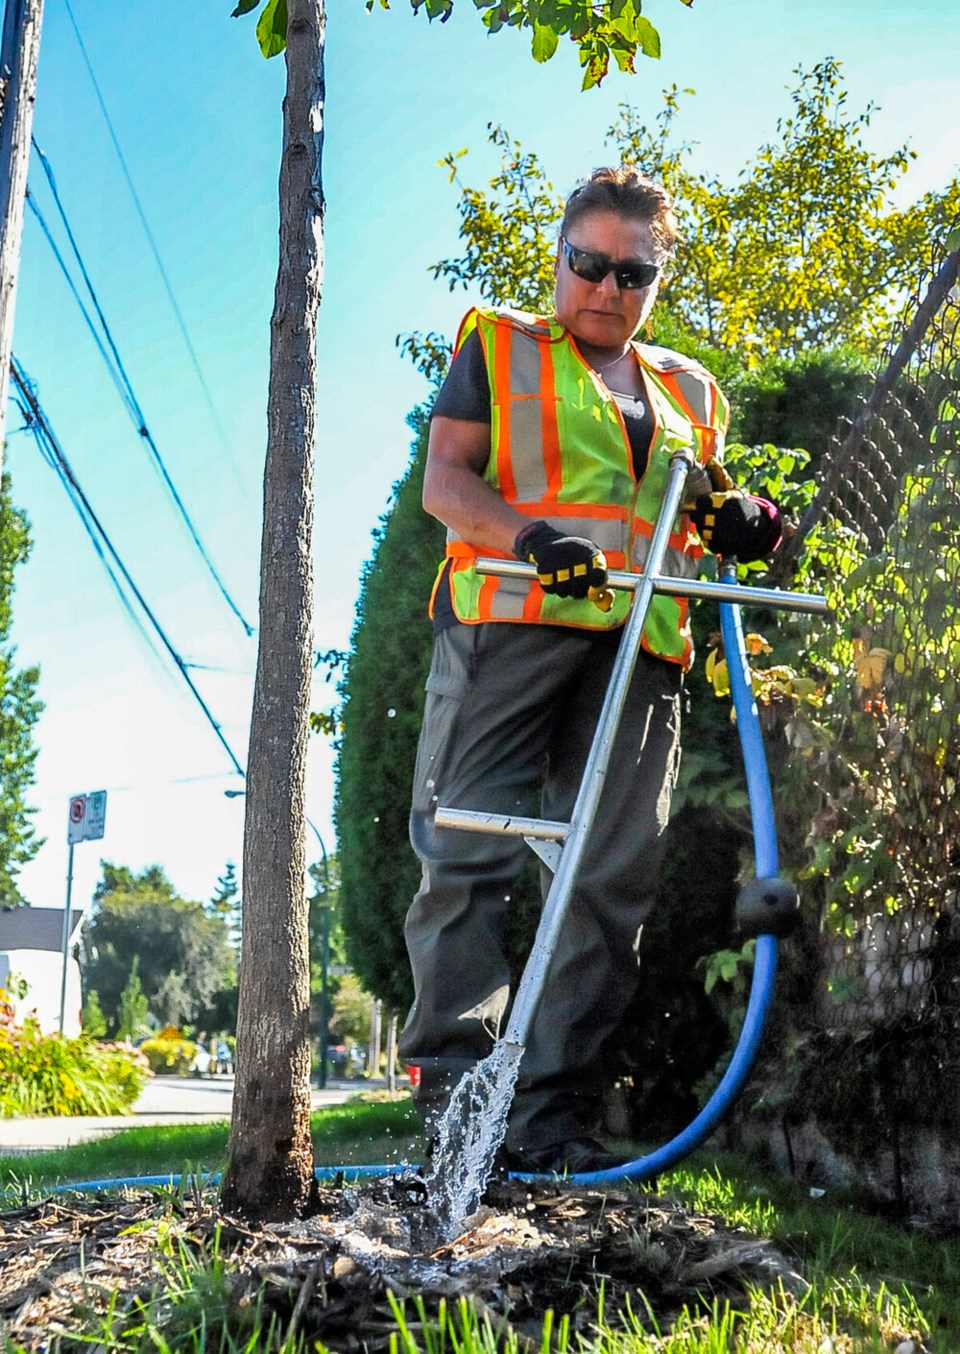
391	713
377	819
506	897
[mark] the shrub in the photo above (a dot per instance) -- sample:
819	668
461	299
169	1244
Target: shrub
47	1074
171	1057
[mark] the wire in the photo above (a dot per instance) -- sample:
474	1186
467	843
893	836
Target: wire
33	427
119	371
53	453
224	441
114	374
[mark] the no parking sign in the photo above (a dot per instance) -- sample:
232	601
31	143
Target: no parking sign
87	817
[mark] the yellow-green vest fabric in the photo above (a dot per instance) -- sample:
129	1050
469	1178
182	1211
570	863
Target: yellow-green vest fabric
559	451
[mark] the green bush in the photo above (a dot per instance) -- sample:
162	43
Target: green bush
47	1074
169	1057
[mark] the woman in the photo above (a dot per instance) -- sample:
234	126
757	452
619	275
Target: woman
550	441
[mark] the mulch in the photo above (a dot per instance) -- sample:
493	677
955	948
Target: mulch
338	1276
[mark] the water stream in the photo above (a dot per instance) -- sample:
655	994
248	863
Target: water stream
471	1133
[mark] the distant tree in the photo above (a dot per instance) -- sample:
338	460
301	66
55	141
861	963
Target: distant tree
805	249
19	711
133	1007
350	1013
93	1021
182	955
326	932
226	903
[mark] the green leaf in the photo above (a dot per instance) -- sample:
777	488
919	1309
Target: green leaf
953	240
647	37
545	42
493	19
272	28
244	7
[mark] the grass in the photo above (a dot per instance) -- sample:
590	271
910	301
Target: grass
862	1265
873	1282
354	1133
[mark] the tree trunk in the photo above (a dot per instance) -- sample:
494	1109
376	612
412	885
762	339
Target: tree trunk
269	1176
20	53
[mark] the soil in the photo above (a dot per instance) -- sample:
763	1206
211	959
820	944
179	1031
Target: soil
337	1277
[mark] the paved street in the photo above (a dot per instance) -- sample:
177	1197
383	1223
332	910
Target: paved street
165	1100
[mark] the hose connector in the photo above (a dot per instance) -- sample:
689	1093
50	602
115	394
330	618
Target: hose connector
767	907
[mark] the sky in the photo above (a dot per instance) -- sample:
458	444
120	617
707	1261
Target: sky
196	113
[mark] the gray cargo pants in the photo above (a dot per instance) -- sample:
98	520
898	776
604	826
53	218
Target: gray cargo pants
509	719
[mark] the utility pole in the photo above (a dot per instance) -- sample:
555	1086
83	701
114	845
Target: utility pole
19	53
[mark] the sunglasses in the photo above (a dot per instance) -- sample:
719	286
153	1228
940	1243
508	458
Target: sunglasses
630	274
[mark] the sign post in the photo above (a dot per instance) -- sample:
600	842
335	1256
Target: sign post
85	823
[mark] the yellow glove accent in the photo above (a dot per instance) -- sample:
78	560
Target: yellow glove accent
601	597
721	481
709	478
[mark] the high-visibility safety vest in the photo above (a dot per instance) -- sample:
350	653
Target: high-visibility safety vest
559	451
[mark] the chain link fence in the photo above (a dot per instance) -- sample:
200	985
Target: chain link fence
877	840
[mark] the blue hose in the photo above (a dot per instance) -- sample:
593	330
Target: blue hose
761	988
327	1175
765	960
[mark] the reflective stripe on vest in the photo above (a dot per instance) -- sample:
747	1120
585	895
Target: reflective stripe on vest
560	451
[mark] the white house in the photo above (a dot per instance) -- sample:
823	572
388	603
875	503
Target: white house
31	947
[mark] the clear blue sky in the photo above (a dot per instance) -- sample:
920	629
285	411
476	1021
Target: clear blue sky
197	113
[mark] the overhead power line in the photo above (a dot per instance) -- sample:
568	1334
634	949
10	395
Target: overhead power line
39	424
119	373
181	323
88	318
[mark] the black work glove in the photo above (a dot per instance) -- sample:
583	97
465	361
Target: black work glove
734	523
710	477
567	566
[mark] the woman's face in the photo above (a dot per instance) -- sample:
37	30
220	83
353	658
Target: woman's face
602	313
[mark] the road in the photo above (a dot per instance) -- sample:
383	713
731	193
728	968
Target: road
164	1100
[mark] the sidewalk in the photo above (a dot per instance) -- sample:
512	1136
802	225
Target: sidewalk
164	1100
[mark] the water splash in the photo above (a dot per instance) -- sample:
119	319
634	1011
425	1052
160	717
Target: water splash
470	1135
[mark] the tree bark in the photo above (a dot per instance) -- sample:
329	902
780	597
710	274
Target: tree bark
269	1176
20	53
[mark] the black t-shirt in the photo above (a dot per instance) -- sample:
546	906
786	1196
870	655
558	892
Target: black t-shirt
465	394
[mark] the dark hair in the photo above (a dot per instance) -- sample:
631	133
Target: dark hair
629	193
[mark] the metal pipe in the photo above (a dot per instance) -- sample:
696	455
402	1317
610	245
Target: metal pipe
694	588
65	939
471	820
595	771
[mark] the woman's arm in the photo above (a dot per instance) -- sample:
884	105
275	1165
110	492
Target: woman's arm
455	491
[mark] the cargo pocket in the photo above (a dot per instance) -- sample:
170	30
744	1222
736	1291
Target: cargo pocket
446	687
